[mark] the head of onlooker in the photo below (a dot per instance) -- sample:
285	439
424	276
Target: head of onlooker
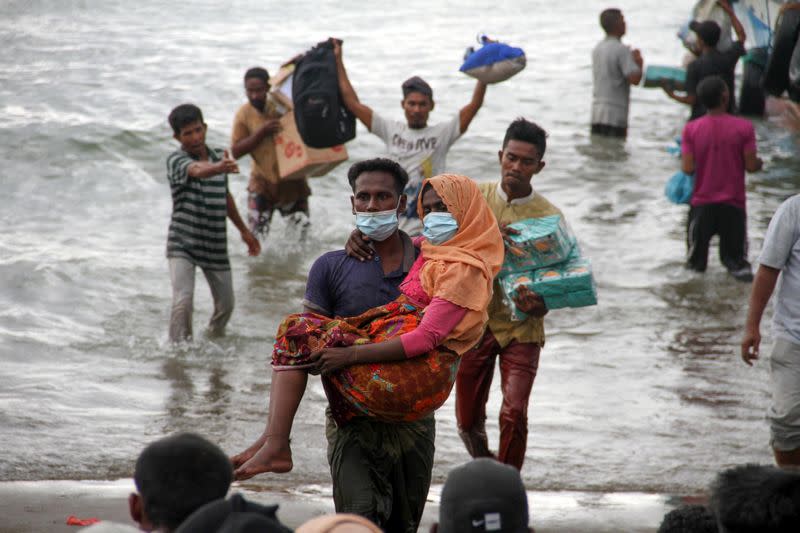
713	93
483	495
174	476
338	523
756	499
689	519
708	33
233	515
521	156
256	86
189	129
613	22
417	102
378	197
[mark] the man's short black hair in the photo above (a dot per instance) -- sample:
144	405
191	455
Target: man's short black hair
708	31
379	164
689	519
258	73
183	115
756	498
526	131
178	474
609	19
709	91
415	84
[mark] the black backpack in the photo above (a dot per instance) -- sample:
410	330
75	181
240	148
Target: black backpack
322	119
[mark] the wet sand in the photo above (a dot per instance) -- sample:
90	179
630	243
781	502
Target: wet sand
36	506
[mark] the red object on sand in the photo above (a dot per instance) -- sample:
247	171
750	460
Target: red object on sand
75	521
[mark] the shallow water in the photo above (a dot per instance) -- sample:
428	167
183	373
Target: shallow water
644	392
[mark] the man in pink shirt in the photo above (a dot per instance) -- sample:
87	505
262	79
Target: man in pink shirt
717	148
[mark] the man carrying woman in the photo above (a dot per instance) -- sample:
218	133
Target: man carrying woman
386	370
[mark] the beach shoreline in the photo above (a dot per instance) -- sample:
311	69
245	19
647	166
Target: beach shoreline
36	506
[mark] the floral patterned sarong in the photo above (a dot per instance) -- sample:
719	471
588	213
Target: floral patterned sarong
398	391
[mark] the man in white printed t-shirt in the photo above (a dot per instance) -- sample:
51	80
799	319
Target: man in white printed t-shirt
419	148
780	257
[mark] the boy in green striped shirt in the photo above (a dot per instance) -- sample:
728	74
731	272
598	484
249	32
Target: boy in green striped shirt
198	179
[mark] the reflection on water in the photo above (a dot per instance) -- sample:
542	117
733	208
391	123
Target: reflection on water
601	148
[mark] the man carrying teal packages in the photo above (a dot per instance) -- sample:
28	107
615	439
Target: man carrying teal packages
518	343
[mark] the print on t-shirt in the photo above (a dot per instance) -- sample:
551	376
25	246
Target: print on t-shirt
421	152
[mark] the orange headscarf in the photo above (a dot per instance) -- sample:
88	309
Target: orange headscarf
462	269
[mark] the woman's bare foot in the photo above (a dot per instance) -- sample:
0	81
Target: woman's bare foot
241	458
274	456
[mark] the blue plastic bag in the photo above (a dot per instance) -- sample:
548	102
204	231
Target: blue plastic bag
493	62
679	188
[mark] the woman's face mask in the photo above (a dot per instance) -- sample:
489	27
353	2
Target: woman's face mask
379	225
439	227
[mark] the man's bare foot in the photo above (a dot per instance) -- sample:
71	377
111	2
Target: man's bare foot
241	458
274	456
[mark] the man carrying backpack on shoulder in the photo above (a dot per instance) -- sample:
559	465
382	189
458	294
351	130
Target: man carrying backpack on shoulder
419	148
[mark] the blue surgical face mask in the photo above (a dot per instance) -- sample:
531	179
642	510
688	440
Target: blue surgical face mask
379	225
439	227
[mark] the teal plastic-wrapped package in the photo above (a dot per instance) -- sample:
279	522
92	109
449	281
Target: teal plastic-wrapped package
510	283
567	284
540	242
658	75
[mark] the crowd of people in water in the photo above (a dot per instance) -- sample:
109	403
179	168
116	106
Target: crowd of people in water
410	308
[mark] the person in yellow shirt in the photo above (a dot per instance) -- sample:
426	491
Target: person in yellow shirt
254	126
517	343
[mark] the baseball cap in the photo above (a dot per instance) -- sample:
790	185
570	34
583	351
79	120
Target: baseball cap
483	496
708	30
415	84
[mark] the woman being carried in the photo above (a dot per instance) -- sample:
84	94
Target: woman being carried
396	362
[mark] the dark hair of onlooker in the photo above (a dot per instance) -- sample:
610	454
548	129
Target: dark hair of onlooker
379	164
609	19
710	90
527	131
183	115
258	73
689	519
178	474
756	499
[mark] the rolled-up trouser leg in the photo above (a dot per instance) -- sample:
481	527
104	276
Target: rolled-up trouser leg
518	365
473	380
181	273
784	412
221	284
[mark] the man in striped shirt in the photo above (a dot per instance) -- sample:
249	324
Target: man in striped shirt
198	179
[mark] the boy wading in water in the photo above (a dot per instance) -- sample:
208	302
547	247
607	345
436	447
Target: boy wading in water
717	148
198	179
